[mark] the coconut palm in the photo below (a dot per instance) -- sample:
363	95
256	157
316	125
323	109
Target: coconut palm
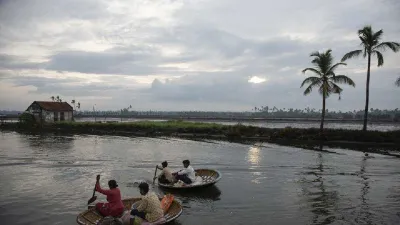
326	79
371	46
398	82
52	98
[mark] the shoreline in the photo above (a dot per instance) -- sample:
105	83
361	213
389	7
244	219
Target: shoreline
223	119
308	138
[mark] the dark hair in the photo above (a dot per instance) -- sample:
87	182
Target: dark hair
164	164
112	183
144	187
186	162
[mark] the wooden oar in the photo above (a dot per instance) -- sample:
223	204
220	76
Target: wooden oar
93	198
155	173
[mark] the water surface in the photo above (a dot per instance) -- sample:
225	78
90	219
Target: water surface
48	180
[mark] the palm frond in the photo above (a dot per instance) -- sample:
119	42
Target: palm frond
310	80
343	79
315	54
325	89
332	69
398	82
377	35
312	70
336	89
379	56
392	45
351	54
364	41
311	86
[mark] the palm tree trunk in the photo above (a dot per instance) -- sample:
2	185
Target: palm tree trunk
323	114
367	94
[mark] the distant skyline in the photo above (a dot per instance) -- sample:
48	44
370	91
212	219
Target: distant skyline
220	55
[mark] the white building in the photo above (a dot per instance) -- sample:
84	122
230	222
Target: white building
48	112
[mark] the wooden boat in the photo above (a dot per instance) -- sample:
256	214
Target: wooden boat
204	178
91	216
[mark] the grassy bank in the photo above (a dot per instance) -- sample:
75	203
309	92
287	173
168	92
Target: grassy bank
236	133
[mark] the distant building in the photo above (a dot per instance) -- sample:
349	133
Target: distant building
48	112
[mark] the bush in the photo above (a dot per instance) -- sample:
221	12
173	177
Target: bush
27	119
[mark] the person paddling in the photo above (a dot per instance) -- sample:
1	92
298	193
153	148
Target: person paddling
114	206
166	176
187	175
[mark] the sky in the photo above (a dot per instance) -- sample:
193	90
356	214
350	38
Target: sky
208	55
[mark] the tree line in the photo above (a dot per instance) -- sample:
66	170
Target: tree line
260	112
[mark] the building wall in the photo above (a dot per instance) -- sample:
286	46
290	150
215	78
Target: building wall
68	116
48	116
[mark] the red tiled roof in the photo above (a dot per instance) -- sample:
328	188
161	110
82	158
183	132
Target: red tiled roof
55	106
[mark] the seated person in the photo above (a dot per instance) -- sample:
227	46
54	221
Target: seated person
166	176
114	206
187	175
149	207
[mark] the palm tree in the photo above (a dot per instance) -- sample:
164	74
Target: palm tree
79	105
52	98
398	82
57	98
371	45
326	78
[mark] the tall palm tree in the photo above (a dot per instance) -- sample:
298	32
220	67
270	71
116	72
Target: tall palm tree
326	79
52	98
398	82
371	46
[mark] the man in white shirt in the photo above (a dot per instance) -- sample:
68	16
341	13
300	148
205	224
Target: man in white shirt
187	175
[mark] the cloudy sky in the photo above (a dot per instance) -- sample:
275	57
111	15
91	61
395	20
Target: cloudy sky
188	54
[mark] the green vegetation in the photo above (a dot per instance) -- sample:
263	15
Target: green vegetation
326	79
235	133
27	120
371	46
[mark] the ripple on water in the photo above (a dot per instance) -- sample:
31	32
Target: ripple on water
48	180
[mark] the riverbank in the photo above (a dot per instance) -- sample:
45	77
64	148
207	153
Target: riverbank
370	141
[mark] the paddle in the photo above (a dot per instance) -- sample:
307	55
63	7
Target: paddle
155	173
93	198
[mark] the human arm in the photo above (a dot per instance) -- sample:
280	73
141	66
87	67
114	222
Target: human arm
142	205
99	189
159	167
183	171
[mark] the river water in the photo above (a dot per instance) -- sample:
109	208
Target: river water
48	180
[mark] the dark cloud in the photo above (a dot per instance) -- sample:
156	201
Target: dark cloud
208	50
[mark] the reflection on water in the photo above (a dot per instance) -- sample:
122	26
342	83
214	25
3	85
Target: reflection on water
48	180
321	199
253	155
209	194
364	216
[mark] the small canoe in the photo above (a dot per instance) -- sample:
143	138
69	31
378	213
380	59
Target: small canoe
91	216
204	178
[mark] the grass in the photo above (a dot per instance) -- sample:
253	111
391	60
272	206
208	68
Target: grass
212	130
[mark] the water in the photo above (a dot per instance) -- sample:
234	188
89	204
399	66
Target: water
277	124
48	180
